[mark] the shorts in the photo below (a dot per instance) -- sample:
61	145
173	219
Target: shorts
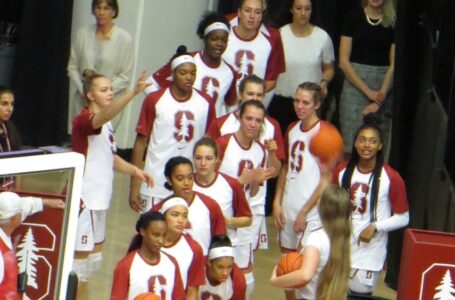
250	234
147	202
243	256
363	281
288	240
91	229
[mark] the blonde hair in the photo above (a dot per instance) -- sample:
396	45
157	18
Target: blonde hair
335	213
389	15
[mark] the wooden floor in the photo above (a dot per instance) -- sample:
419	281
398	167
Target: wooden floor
120	229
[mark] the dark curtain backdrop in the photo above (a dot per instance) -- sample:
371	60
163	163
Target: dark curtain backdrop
39	77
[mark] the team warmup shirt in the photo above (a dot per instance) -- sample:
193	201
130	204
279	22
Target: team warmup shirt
234	288
262	55
270	130
235	158
218	82
173	127
205	219
229	195
391	198
134	276
190	258
99	148
303	173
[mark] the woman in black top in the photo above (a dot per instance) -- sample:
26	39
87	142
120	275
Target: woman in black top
367	50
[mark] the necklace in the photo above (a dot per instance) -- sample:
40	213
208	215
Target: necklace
373	22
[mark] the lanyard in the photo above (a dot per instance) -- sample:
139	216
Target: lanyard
8	144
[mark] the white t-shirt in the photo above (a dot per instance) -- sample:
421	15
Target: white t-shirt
320	240
303	56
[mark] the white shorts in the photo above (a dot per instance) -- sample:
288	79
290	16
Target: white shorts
363	281
243	256
250	234
288	240
91	229
147	202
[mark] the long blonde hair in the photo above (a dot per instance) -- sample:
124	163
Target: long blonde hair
335	213
389	15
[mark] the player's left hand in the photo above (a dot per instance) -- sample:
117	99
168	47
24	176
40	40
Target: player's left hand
300	222
367	234
144	176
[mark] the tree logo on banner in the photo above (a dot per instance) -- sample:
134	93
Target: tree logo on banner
445	290
35	244
27	257
436	282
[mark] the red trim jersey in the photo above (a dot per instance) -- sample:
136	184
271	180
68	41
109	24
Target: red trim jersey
234	159
99	148
303	173
391	198
218	82
234	288
229	195
262	55
173	127
134	276
8	269
190	257
270	130
205	219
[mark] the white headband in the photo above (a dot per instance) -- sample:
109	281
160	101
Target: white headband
173	202
181	60
10	205
216	26
221	252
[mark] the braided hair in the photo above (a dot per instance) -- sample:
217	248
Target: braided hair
371	121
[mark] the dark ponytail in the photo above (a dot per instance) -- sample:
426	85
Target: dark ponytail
143	222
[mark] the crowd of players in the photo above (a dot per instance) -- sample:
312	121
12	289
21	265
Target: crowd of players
210	147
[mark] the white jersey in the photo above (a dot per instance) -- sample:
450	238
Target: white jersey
134	276
262	55
205	219
303	173
320	240
99	148
229	195
190	258
234	159
270	130
218	82
304	58
391	198
173	127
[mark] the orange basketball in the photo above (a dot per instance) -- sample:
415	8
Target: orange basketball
327	144
147	296
289	262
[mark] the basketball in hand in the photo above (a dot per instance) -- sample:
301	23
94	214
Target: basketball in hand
327	144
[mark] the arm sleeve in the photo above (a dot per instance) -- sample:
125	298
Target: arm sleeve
73	65
196	275
120	282
122	78
394	222
328	53
2	268
238	284
178	293
218	225
239	202
30	206
147	116
276	63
